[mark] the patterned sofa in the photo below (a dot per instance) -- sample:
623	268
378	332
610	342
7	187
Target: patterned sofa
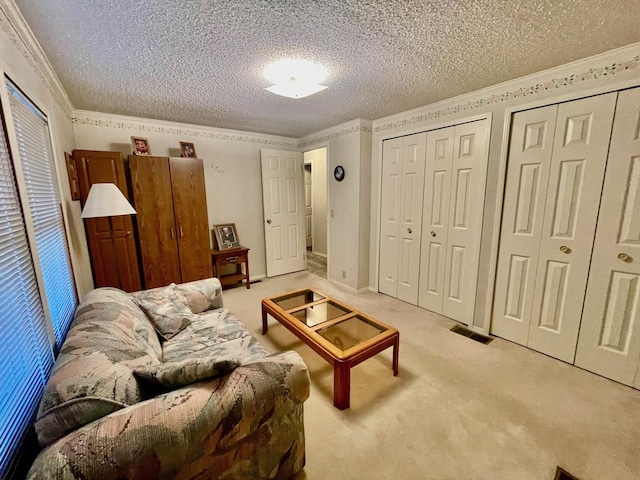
205	400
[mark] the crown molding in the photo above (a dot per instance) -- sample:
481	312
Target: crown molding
608	64
145	125
323	136
15	26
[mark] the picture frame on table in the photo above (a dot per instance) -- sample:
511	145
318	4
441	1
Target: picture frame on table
226	236
140	146
188	150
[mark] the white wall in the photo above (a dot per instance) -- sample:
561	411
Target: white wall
346	214
318	160
25	64
607	72
231	158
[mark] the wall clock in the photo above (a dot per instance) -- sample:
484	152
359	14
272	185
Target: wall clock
338	173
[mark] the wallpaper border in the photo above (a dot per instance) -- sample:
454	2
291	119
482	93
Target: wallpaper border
184	131
531	89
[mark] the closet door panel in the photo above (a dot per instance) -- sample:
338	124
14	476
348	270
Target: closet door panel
390	216
192	222
151	181
466	204
581	144
412	187
609	341
529	159
437	187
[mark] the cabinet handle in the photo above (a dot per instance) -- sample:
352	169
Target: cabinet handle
173	235
181	233
232	259
565	249
624	257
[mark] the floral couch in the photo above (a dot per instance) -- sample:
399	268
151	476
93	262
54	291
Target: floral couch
166	383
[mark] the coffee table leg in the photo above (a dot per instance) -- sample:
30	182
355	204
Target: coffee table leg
341	385
264	321
396	347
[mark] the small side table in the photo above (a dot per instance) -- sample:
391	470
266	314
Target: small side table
234	256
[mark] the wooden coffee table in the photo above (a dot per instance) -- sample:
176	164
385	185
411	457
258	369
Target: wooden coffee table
341	335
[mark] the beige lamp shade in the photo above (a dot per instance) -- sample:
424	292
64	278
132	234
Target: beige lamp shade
106	200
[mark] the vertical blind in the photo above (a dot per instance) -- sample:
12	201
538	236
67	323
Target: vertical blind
36	157
25	349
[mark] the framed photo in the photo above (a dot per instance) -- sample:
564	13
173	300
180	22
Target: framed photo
226	236
140	146
188	150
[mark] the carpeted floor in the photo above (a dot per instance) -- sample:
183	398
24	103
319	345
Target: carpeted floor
316	264
459	410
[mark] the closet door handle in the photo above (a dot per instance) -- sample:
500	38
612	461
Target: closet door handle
173	235
181	233
433	234
565	249
409	230
624	257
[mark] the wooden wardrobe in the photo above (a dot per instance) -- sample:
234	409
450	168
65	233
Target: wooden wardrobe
173	226
109	167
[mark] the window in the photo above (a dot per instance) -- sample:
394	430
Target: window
36	160
38	295
26	357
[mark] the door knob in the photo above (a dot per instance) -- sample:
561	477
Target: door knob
409	230
624	257
269	221
433	234
565	249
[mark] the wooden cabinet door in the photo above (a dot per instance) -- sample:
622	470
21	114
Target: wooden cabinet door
192	222
151	181
121	270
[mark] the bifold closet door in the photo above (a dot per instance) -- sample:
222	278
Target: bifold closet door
609	341
455	176
549	220
401	216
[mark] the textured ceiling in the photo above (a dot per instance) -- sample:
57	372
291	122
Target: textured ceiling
201	61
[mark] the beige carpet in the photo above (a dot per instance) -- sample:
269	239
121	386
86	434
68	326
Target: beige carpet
458	410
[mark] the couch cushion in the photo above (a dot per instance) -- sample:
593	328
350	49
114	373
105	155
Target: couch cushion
93	374
167	308
217	333
186	371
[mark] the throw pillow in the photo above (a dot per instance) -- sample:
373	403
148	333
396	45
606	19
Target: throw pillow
198	302
185	372
167	308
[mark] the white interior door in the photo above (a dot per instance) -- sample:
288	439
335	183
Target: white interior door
390	216
609	337
556	167
530	150
466	207
581	145
284	213
435	215
308	206
401	216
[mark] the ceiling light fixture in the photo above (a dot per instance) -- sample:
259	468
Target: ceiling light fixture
295	78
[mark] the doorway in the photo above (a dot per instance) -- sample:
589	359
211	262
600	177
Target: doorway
315	188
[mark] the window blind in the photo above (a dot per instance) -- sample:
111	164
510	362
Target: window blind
36	157
26	357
